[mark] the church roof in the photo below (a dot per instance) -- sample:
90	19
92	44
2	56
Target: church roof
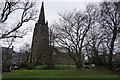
41	19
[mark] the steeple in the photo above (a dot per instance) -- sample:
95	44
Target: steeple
42	15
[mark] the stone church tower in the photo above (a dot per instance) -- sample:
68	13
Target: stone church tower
40	43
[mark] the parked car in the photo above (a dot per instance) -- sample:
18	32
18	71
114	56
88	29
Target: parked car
16	67
118	69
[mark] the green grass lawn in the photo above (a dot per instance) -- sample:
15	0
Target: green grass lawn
84	73
66	67
69	71
58	66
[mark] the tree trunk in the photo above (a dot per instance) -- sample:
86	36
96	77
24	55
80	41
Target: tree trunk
78	64
96	58
112	48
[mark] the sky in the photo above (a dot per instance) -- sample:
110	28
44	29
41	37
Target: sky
51	15
52	8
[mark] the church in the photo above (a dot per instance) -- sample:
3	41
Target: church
40	52
40	43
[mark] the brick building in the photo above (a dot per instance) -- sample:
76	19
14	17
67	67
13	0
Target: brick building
62	58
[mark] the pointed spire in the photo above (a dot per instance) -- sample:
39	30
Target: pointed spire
42	15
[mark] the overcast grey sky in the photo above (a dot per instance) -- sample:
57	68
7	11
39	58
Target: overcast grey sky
52	7
51	14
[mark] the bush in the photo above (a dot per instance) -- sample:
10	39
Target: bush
116	65
3	68
40	67
31	66
6	66
23	65
86	63
18	64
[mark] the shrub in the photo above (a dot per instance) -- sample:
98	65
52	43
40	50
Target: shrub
31	66
6	66
18	64
40	67
23	65
86	63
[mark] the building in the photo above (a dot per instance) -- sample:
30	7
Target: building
15	58
60	56
40	43
41	51
24	57
20	57
7	54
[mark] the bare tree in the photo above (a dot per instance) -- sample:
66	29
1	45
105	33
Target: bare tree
8	8
10	42
52	37
110	21
26	51
72	30
95	40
